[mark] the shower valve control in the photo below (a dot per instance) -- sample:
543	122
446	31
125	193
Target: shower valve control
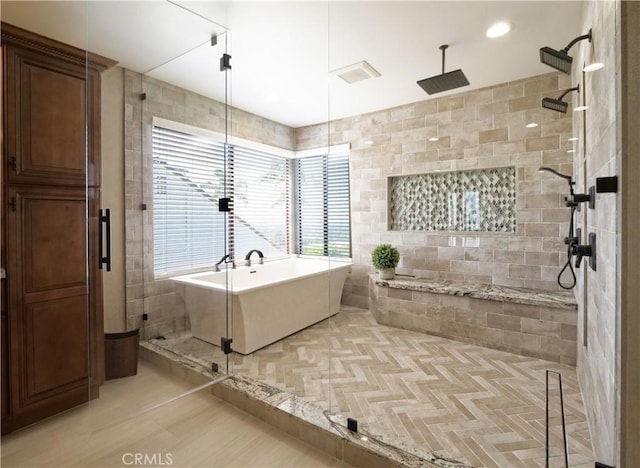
574	199
588	250
581	251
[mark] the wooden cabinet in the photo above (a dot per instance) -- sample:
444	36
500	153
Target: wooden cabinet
52	332
46	99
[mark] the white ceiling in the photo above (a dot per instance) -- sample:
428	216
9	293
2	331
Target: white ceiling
288	48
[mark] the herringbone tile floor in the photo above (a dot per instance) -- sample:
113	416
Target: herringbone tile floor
478	405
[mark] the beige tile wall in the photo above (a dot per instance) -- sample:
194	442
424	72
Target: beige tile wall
476	129
144	293
598	155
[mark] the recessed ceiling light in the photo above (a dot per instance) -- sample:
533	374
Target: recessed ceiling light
580	108
593	67
498	29
433	139
531	125
272	97
573	139
368	142
571	151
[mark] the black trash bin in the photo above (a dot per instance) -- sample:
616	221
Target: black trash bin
121	354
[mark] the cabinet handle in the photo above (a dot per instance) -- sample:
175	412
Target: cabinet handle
106	220
13	164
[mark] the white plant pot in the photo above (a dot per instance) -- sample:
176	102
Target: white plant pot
387	273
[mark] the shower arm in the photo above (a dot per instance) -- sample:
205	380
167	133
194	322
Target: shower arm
577	88
443	48
577	39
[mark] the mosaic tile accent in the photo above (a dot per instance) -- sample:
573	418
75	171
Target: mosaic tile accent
476	200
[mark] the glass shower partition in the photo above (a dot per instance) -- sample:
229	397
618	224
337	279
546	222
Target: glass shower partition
196	179
359	157
172	214
279	205
191	195
186	174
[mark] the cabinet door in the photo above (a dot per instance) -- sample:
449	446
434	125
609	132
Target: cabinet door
47	105
49	311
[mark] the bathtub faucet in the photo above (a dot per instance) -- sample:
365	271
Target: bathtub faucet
226	259
247	257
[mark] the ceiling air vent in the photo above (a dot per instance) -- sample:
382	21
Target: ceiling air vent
357	72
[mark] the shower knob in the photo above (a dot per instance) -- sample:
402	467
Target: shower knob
587	250
581	251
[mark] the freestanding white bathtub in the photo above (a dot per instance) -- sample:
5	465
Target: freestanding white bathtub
266	302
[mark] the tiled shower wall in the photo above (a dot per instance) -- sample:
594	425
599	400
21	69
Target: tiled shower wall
144	293
599	155
484	128
478	129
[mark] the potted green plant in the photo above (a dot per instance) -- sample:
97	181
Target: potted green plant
385	258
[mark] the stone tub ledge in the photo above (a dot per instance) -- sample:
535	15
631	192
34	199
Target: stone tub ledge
560	299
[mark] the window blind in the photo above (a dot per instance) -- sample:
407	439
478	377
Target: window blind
338	208
322	197
260	202
189	177
311	205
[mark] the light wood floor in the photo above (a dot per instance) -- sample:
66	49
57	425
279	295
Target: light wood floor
196	430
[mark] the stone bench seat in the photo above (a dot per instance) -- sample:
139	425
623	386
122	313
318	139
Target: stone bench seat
523	321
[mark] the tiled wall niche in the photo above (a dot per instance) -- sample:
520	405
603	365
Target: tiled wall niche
481	200
478	129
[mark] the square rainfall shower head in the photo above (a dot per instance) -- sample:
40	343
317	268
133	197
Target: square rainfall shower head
444	82
557	105
556	59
